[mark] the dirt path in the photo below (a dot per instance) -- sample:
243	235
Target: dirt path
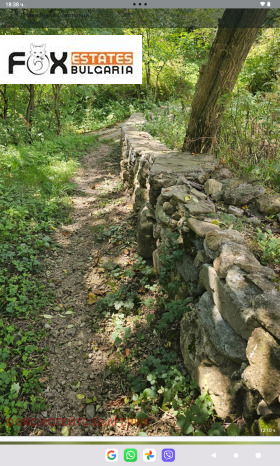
75	378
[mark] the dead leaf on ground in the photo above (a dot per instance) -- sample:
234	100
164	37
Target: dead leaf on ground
43	379
67	232
127	352
95	260
142	290
91	298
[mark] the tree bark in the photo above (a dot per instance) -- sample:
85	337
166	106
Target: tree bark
31	104
217	77
56	93
5	101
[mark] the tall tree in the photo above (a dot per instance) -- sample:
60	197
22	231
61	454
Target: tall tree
236	34
3	92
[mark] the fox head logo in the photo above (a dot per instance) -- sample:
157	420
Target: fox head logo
38	62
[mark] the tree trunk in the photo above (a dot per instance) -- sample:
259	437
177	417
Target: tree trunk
31	104
56	93
217	77
5	101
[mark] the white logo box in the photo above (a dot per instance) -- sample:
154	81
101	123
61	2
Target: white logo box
98	59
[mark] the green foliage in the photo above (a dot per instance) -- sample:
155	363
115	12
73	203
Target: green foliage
262	64
160	383
249	135
168	123
270	246
174	311
124	299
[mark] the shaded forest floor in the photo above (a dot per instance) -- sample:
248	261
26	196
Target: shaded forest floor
94	344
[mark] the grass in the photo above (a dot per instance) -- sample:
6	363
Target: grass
34	199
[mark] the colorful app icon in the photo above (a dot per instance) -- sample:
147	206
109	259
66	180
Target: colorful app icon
149	455
168	455
111	455
130	455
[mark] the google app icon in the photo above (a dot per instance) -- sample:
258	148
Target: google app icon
149	456
111	455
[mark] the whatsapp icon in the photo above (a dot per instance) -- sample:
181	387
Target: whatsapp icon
130	455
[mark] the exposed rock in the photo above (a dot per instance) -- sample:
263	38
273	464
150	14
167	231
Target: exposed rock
213	188
263	353
201	228
262	281
156	261
222	173
187	270
202	207
232	297
221	334
253	220
198	194
243	194
206	365
216	238
168	208
235	211
196	167
267	411
269	204
146	242
237	254
177	193
139	197
267	311
200	258
90	412
110	265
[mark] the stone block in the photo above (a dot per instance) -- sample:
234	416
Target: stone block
223	337
267	311
263	373
269	204
207	366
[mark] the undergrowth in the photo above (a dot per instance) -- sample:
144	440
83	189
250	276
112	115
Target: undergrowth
34	199
143	312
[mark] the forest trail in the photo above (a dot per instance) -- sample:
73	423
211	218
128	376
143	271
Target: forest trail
79	347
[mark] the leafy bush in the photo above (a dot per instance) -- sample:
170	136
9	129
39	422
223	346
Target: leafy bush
270	245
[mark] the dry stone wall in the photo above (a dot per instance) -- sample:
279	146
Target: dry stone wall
230	338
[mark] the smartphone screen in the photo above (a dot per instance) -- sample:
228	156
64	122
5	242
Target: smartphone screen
139	232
